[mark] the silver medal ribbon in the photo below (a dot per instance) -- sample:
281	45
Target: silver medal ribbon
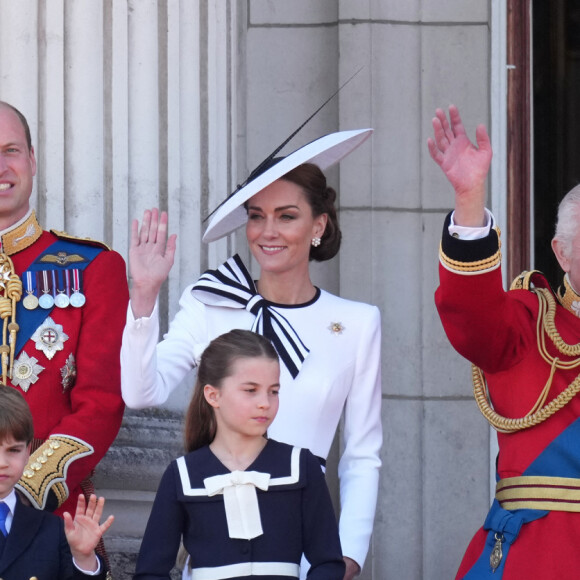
77	298
61	300
46	300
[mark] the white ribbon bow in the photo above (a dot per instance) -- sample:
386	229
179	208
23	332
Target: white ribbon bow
240	500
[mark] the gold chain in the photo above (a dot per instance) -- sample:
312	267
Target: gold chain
10	293
540	411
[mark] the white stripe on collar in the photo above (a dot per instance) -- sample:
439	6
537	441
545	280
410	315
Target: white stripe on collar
294	476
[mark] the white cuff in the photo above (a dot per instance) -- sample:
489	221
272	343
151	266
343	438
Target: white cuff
137	322
467	233
97	571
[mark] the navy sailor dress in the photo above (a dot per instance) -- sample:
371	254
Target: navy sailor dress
243	524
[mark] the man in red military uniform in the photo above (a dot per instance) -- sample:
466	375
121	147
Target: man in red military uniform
525	348
62	310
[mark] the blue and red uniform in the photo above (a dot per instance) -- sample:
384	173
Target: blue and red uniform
534	518
66	359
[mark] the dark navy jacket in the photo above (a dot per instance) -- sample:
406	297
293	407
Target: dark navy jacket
296	516
36	546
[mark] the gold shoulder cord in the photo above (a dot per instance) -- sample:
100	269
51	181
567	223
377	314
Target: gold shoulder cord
540	411
10	293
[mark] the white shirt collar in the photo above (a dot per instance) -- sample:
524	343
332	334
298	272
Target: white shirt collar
10	501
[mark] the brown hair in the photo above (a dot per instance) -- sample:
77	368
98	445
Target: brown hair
321	199
15	416
215	366
22	120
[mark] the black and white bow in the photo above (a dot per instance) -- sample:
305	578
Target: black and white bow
232	286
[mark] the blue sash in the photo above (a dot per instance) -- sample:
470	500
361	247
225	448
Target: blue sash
561	458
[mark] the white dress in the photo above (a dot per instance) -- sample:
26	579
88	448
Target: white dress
342	372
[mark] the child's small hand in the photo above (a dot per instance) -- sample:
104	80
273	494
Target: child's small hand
84	532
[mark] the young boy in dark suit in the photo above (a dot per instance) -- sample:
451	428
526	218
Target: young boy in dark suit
35	543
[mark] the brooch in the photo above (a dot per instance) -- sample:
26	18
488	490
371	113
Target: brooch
26	371
69	373
336	327
49	337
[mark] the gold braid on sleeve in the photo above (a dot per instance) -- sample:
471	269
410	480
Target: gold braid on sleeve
10	294
540	411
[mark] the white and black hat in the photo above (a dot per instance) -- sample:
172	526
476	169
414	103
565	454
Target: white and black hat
323	152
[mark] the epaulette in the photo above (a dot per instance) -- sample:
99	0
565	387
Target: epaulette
530	279
66	236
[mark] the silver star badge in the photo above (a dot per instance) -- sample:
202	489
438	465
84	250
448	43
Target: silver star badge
4	276
25	371
49	337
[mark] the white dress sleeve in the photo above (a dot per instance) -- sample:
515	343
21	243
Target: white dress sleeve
360	462
150	371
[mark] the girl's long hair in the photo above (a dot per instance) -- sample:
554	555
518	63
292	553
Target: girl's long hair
215	366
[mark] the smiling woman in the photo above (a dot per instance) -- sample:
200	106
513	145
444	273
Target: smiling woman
329	347
280	230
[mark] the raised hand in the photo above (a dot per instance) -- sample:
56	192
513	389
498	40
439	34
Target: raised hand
85	530
151	256
465	165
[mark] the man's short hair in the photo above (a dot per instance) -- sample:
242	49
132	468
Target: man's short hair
22	120
567	222
15	416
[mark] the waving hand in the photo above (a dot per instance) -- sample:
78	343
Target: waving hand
464	164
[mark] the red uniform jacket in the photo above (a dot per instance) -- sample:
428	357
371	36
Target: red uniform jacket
496	330
76	398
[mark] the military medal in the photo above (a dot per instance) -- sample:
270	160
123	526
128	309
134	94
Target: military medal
49	337
69	373
30	301
46	301
77	298
496	553
25	371
61	300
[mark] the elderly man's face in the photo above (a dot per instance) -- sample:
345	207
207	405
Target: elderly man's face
569	259
17	169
